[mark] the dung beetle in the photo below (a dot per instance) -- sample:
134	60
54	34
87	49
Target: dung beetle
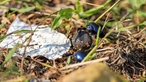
82	39
93	29
80	55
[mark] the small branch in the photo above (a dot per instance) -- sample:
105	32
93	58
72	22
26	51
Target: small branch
43	64
105	49
84	63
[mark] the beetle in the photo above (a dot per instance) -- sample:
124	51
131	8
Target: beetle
80	55
93	29
82	39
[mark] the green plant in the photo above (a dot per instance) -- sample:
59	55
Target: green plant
62	14
67	13
23	10
80	11
136	7
10	54
137	13
24	5
89	55
136	4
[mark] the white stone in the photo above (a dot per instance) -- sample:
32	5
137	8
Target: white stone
44	41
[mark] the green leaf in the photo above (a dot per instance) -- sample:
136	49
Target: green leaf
27	9
97	38
23	10
62	14
91	11
79	7
57	21
22	31
66	13
136	4
10	54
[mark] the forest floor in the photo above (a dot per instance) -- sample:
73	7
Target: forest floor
121	51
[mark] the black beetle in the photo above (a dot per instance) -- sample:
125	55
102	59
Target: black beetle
93	29
80	55
82	39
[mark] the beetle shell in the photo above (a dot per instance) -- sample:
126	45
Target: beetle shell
93	29
82	40
80	56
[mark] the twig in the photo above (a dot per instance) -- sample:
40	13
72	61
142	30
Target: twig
29	40
21	65
105	49
43	64
84	63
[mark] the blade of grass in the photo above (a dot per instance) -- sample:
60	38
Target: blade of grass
97	38
23	10
92	11
79	7
94	54
68	60
57	21
65	13
10	54
123	29
43	64
128	27
106	11
95	47
21	31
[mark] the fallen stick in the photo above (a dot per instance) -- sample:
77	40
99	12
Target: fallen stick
84	63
